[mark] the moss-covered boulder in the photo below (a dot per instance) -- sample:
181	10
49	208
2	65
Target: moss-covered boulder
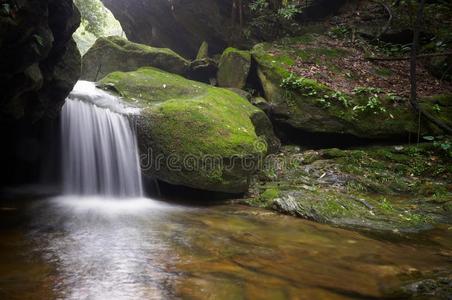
114	53
316	85
234	68
193	134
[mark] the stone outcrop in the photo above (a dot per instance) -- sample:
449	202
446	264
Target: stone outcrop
234	68
114	53
39	61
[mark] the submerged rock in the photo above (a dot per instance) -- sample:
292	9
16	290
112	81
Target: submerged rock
193	134
114	53
234	68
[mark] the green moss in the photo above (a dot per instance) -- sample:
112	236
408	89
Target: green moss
210	126
219	121
334	153
374	187
150	85
114	53
331	207
311	106
386	206
127	46
270	194
234	68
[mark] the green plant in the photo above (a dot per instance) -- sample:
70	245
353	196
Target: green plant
436	108
339	32
367	90
441	143
386	206
373	105
324	102
258	5
342	98
268	21
373	102
296	83
93	15
394	98
289	12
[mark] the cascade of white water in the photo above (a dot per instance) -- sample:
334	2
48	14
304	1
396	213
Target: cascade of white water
99	147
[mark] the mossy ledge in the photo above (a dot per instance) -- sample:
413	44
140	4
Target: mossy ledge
393	188
185	123
110	54
311	106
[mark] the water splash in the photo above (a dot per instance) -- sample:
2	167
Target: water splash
100	153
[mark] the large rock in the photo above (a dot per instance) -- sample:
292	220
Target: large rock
36	52
315	103
178	25
39	65
234	68
193	134
114	53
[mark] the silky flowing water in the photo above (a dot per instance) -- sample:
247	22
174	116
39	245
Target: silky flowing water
91	248
100	152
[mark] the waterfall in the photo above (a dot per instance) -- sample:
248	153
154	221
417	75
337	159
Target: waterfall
99	147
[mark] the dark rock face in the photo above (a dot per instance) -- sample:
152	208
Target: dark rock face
176	24
39	60
39	65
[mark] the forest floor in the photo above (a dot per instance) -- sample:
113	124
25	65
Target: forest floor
346	73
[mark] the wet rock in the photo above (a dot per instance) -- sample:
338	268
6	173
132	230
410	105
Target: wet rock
380	189
432	288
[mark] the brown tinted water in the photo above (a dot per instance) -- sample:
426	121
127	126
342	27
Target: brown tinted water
143	249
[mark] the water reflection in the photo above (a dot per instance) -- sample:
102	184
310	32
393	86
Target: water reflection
105	249
143	249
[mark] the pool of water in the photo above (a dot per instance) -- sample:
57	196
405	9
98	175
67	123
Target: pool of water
71	248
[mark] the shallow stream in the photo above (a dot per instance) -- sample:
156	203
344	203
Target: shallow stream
71	248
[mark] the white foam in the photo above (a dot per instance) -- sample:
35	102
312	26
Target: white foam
112	206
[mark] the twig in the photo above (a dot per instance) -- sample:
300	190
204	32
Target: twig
407	57
363	202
